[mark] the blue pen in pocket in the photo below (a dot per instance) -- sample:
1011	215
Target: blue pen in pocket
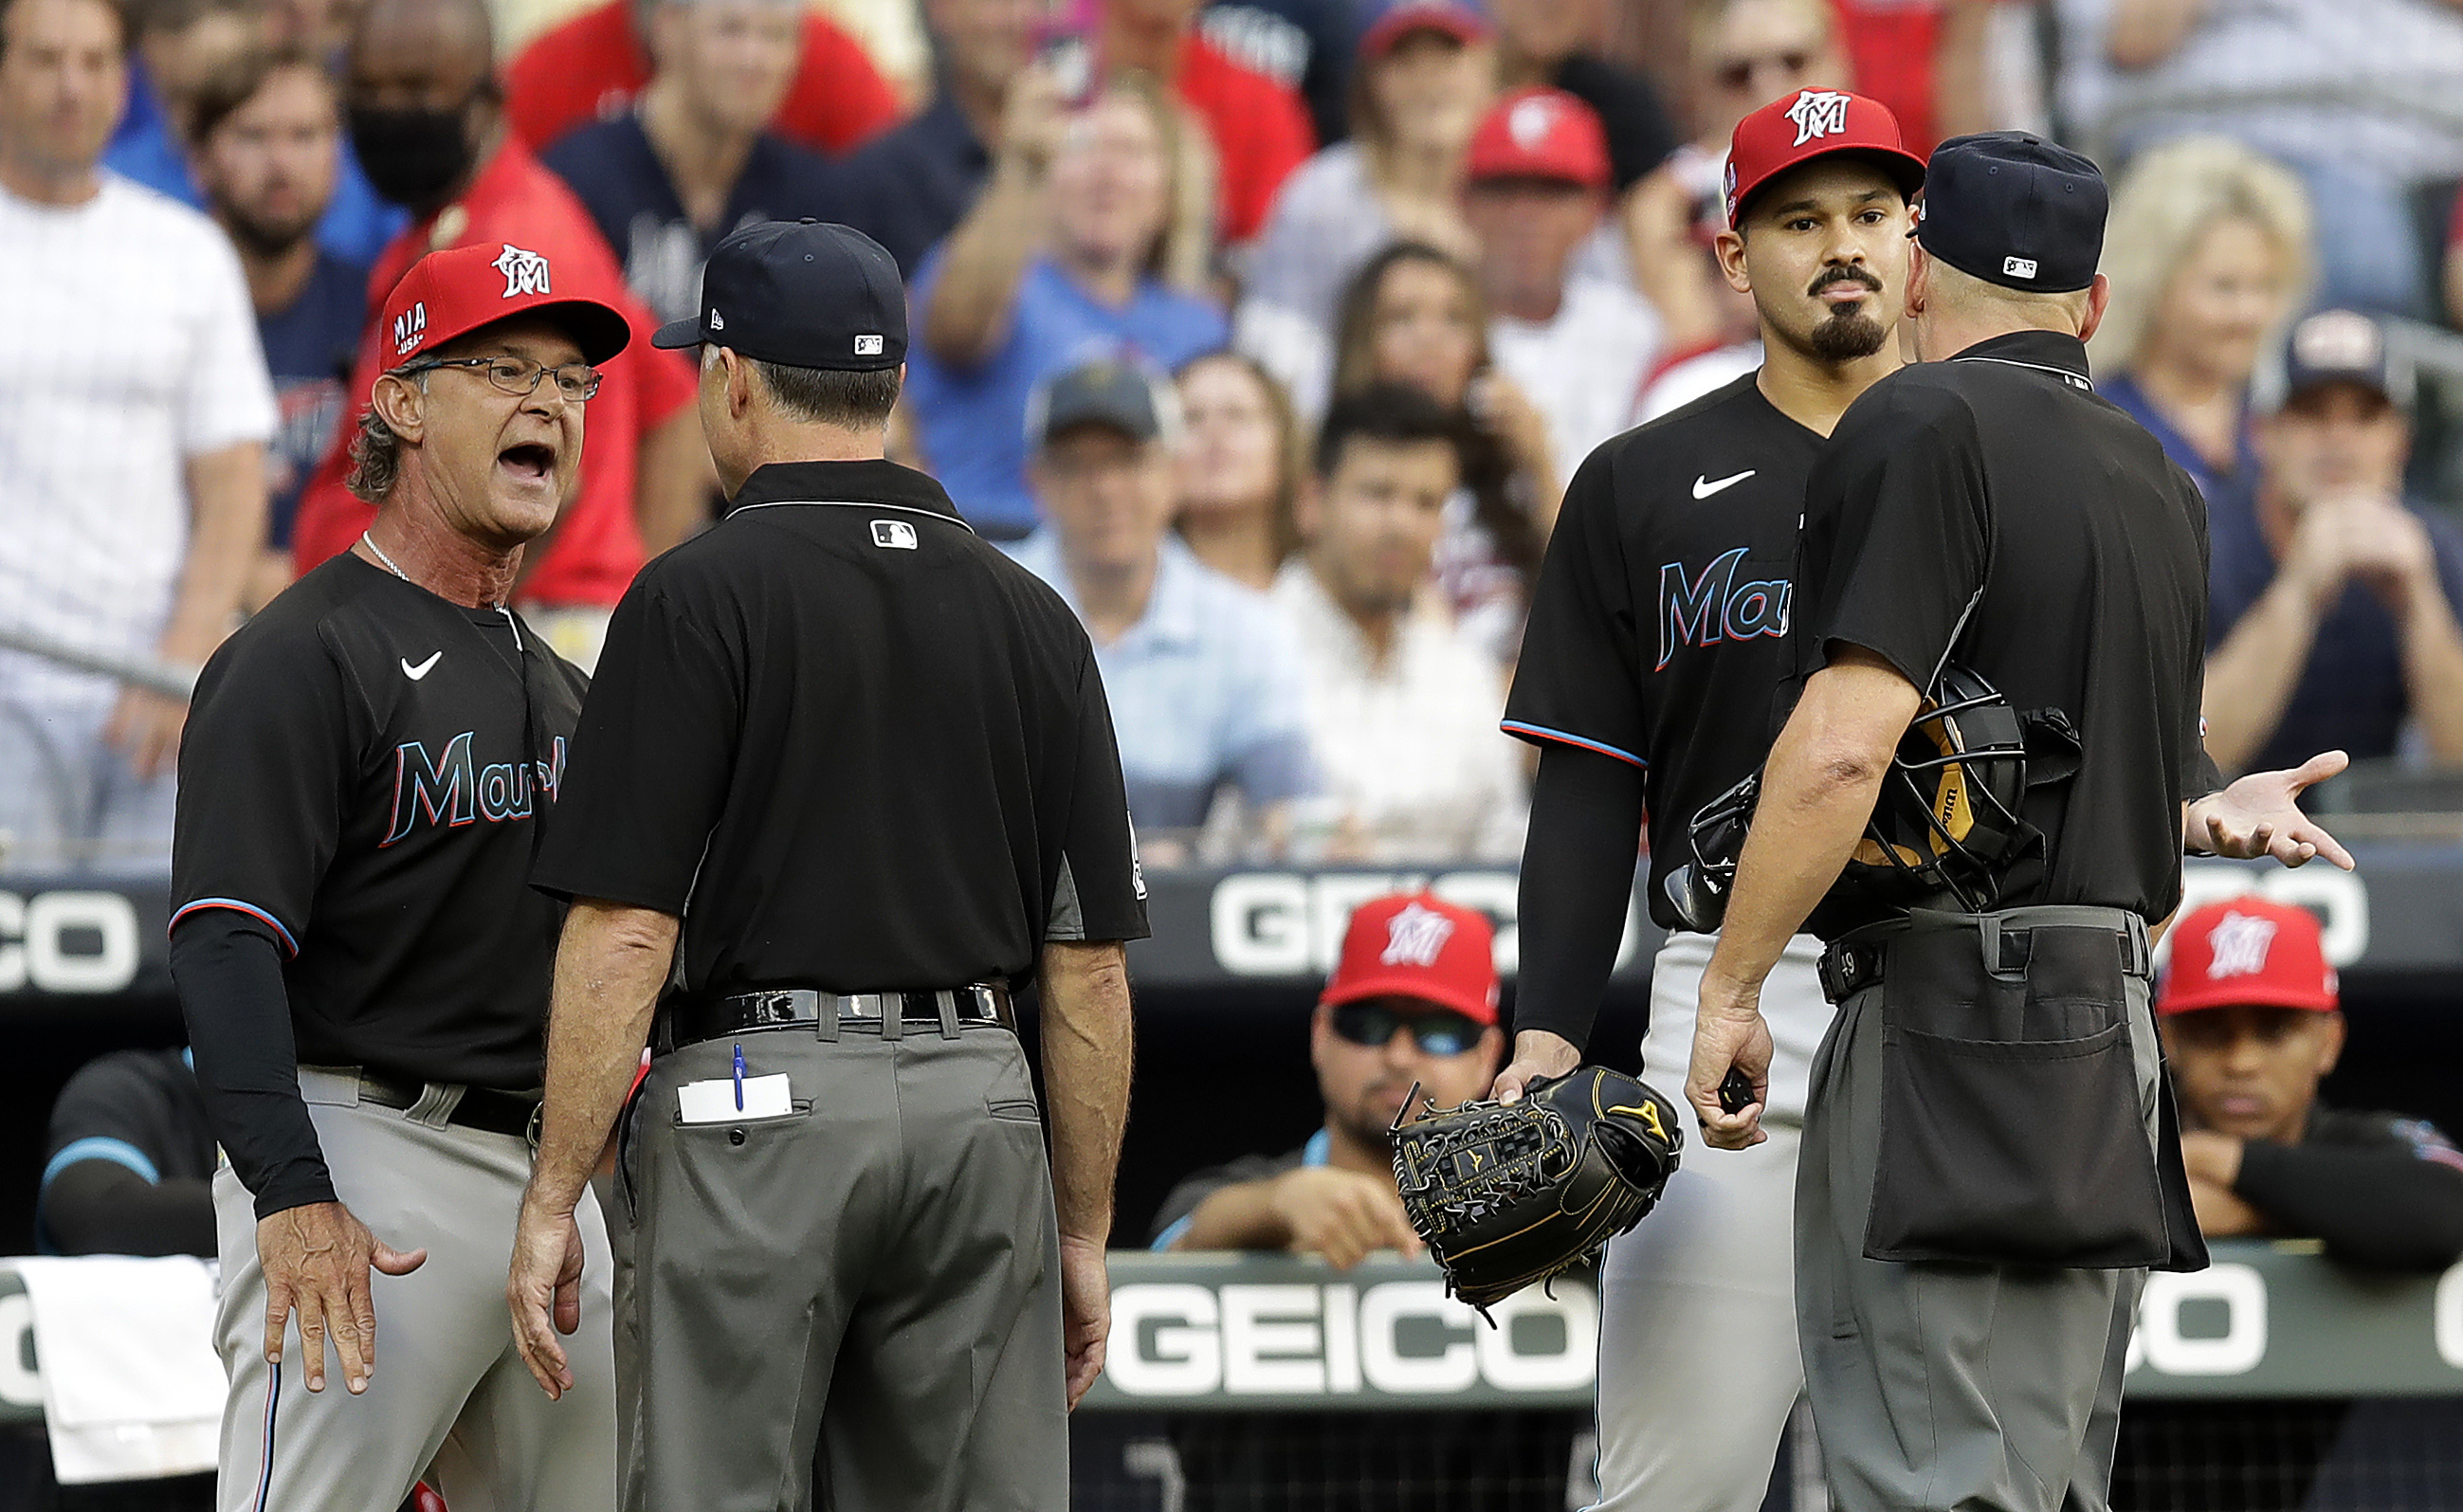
739	1079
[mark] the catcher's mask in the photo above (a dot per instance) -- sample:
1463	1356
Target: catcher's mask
1944	825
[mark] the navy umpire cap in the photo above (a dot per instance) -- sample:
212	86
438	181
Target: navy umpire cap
2015	210
801	294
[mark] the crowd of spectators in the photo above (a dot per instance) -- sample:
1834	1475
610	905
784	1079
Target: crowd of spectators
1270	331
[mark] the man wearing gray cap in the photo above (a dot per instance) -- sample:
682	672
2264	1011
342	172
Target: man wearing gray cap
1981	800
847	774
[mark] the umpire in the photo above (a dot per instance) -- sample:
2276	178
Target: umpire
1989	1164
845	775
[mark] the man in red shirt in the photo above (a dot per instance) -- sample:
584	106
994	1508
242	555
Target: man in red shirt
591	67
433	139
1260	129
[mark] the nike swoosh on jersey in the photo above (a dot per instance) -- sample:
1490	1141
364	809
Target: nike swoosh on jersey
1704	487
415	673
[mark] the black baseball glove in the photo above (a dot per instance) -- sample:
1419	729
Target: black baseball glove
1510	1193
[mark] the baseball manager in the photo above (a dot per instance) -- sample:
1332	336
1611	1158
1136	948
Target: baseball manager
845	776
363	966
1989	1164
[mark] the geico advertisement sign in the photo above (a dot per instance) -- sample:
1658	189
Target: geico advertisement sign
1291	923
67	942
1399	1338
2213	1321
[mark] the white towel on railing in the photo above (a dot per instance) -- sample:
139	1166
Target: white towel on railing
132	1386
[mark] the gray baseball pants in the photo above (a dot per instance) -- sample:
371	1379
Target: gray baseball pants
876	1272
449	1397
1934	1384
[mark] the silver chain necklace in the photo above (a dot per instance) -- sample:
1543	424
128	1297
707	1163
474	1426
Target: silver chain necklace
391	565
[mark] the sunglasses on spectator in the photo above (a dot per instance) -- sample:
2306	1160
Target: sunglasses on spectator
1738	73
519	375
1440	1031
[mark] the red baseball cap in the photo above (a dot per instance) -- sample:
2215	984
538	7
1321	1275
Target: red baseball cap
450	294
1816	123
1413	945
1539	133
2248	952
1464	26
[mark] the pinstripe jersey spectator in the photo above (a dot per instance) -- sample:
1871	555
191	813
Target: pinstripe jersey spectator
134	411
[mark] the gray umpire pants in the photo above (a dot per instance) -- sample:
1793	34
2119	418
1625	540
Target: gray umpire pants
876	1272
449	1398
1936	1384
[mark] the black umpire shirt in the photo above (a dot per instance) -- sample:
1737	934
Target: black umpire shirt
853	746
360	781
1658	629
1993	509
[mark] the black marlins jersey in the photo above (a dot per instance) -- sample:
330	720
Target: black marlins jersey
1658	627
364	770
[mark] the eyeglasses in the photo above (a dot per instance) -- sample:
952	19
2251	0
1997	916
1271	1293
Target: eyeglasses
1737	73
577	382
1440	1031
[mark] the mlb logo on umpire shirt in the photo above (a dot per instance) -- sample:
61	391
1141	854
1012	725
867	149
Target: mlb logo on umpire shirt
894	533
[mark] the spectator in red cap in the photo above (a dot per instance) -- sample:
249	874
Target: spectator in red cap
1556	43
1412	1000
428	129
592	68
1579	344
1422	81
2251	1023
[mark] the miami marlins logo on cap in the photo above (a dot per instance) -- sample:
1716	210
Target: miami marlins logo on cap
2240	942
1818	113
525	272
1416	936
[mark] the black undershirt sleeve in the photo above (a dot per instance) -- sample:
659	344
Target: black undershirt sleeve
101	1207
1578	864
229	970
2383	1207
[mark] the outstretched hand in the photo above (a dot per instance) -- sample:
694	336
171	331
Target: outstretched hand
2259	815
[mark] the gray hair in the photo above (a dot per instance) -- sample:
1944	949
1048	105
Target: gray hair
824	396
375	450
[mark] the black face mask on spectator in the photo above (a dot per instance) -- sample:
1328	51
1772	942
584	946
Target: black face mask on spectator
415	157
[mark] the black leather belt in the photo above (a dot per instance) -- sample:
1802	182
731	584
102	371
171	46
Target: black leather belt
481	1108
1851	965
690	1021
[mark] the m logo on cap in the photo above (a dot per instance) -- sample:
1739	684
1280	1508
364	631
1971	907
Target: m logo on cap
2018	267
1416	936
867	346
525	272
1530	121
1818	113
2239	942
409	329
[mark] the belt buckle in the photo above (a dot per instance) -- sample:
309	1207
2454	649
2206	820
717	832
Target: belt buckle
534	1126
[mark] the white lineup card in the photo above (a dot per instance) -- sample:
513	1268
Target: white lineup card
714	1102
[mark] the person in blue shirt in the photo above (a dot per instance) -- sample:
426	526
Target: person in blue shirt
1061	259
2331	613
694	159
2208	255
1204	678
907	187
182	44
269	152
